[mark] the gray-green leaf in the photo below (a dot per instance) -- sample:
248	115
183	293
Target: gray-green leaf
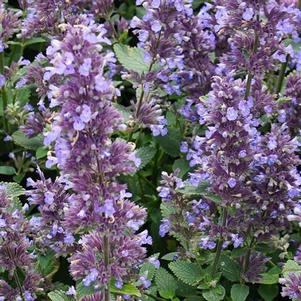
239	292
166	283
190	273
131	58
215	294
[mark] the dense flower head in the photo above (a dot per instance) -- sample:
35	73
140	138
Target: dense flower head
176	45
291	286
223	156
275	180
45	17
50	197
14	250
290	108
90	159
88	264
10	24
257	30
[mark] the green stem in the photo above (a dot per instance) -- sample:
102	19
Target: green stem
106	252
248	86
149	70
281	75
246	260
220	243
16	276
2	62
3	93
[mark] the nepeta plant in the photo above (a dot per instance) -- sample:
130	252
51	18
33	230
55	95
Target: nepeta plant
158	146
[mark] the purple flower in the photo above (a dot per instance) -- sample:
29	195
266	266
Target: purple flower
231	114
2	80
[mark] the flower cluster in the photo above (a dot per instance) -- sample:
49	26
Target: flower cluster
90	160
15	257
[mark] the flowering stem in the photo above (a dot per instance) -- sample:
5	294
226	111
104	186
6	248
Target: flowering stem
106	251
248	86
220	243
281	75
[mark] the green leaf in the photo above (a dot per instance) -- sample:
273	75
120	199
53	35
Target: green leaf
131	58
291	267
190	273
41	152
22	95
58	296
270	277
127	289
215	294
268	292
170	143
190	191
34	143
167	210
146	154
124	111
33	41
13	190
239	292
47	264
182	165
230	268
170	256
148	269
166	283
82	290
7	170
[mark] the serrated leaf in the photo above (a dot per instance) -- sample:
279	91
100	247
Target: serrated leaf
268	292
47	264
215	294
170	143
20	139
230	268
58	296
148	269
12	189
167	210
127	289
188	272
7	170
131	58
166	283
146	154
239	292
